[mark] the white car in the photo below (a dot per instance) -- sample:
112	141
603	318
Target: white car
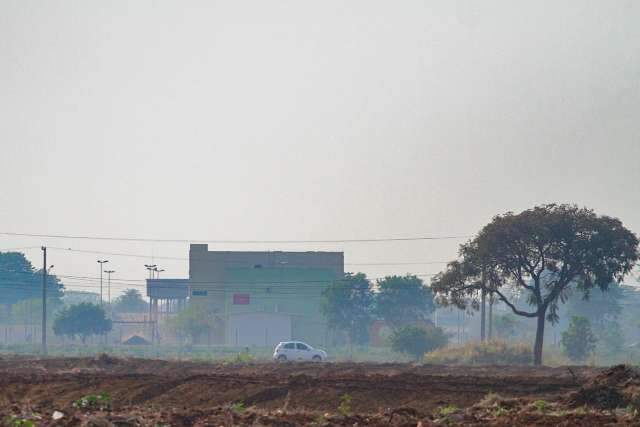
298	351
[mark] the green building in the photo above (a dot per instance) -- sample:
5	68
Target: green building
262	298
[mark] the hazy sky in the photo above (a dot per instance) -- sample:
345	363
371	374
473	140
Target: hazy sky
309	120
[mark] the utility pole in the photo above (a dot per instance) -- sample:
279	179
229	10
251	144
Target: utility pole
101	262
109	289
152	309
44	300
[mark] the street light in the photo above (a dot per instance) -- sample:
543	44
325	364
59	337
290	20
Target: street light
101	262
158	272
150	267
109	286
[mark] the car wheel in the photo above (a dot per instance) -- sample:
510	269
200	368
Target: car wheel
282	358
316	358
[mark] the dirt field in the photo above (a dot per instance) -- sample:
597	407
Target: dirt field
155	392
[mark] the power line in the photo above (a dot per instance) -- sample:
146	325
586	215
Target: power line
156	240
131	255
18	249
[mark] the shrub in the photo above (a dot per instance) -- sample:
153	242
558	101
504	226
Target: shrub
445	411
417	341
488	353
238	407
99	402
345	405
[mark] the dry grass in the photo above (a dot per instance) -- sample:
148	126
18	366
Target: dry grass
489	353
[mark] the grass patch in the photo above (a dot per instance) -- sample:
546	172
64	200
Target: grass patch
96	402
488	353
13	421
540	405
344	408
445	411
238	407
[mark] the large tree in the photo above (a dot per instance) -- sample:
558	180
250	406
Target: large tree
20	281
194	321
130	301
348	305
546	253
82	320
403	300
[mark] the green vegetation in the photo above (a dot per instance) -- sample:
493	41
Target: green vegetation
546	253
403	300
94	402
130	301
194	321
81	320
540	405
240	358
578	341
13	421
344	408
445	411
348	306
487	353
238	407
417	341
20	281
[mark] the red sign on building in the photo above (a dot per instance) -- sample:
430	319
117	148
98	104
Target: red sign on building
241	299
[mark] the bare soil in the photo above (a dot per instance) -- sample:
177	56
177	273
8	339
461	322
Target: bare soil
178	393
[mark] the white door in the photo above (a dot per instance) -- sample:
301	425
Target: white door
304	352
289	350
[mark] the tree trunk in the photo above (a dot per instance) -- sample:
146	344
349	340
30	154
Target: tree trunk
490	317
537	347
482	315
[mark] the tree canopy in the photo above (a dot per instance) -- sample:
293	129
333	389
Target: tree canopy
403	300
416	341
348	306
82	320
20	281
544	252
130	301
578	341
193	321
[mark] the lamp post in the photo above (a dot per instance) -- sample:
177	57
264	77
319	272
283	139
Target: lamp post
101	262
150	267
109	289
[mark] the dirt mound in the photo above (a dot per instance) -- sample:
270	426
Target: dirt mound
614	388
136	340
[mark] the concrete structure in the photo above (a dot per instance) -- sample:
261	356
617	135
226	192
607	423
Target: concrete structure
262	298
166	297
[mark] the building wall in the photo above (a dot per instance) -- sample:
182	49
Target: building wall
237	285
